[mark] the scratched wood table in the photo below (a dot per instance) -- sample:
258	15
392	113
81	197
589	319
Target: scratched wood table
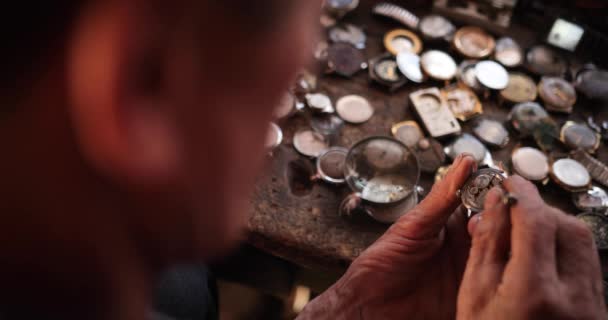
303	226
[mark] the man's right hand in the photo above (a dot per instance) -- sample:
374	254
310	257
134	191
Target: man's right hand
529	261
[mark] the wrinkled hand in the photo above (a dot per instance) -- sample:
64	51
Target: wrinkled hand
414	270
530	261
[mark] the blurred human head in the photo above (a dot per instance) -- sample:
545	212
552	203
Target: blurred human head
136	127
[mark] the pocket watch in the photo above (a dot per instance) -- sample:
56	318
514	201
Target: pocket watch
397	13
531	164
435	27
348	33
474	42
508	52
384	70
354	109
520	88
473	193
274	137
599	228
408	132
339	8
309	143
492	75
330	165
543	61
467	144
438	65
570	174
436	116
593	200
401	40
558	94
468	76
319	102
409	65
463	102
597	169
492	133
430	154
580	136
344	59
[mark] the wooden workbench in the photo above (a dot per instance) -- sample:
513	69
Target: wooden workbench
307	229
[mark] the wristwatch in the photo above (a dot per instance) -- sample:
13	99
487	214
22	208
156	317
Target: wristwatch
543	61
521	88
527	116
438	65
408	132
492	133
436	116
330	165
354	109
385	71
593	83
348	33
597	169
319	102
467	144
580	136
592	200
435	27
474	42
531	164
344	59
599	228
401	40
557	94
570	174
492	75
508	52
473	193
463	102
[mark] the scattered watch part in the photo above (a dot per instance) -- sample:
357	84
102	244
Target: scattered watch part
327	124
441	173
520	88
526	116
508	52
309	143
384	70
492	133
599	228
344	59
408	132
467	144
593	84
438	65
544	61
390	214
473	193
409	65
492	75
570	175
463	102
286	106
348	33
382	170
434	27
319	102
436	116
330	165
468	75
430	154
397	13
580	136
531	164
558	94
597	169
339	8
354	109
474	42
274	137
401	40
594	200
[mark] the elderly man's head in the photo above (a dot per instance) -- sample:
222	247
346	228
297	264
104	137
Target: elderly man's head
133	129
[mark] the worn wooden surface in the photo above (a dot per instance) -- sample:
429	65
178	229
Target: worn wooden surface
305	227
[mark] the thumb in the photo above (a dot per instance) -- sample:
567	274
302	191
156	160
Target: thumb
430	216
